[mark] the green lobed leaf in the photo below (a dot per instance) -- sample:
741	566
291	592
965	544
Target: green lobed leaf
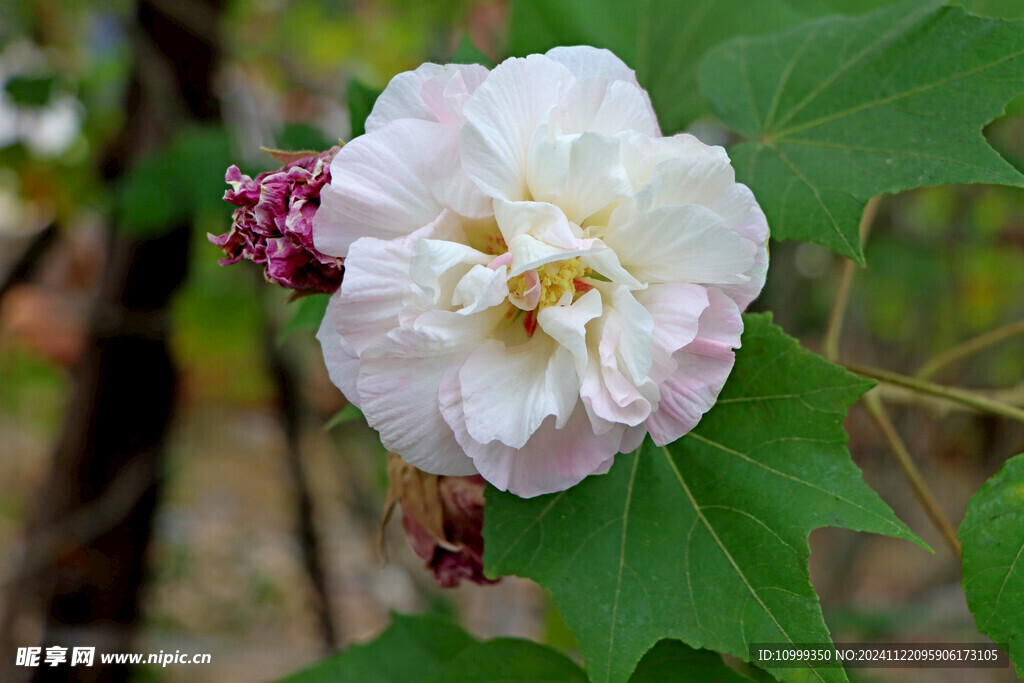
673	662
704	541
840	110
509	659
413	648
992	535
662	39
419	648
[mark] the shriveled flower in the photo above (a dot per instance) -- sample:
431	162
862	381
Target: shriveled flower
273	224
443	521
536	278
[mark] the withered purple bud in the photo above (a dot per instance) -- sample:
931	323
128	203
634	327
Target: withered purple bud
443	519
273	224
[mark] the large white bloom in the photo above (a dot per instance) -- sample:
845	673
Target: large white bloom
534	277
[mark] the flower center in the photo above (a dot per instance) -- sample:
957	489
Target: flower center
553	281
558	278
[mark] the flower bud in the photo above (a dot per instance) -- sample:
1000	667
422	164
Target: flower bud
443	519
273	224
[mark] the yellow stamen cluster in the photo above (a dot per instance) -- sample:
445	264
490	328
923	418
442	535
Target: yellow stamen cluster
557	278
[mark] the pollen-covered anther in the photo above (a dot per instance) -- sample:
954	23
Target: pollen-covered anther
558	278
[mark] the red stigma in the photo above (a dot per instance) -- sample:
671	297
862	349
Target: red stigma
530	322
581	286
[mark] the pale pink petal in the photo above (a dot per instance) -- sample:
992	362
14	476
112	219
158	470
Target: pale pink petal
501	118
704	365
371	295
581	174
615	385
341	360
675	309
508	392
391	182
755	229
398	385
398	397
530	298
682	244
446	96
552	460
432	92
632	437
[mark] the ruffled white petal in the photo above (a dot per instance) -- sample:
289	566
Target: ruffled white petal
480	289
567	325
675	310
437	266
391	182
501	118
615	386
431	92
543	221
755	229
607	107
682	243
529	253
341	360
704	177
585	62
371	296
508	392
581	174
552	460
399	379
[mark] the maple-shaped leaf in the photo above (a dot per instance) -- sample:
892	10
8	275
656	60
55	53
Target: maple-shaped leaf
840	110
703	541
662	39
428	648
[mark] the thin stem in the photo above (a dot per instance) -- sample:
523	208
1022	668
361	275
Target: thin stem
968	398
838	315
969	348
906	463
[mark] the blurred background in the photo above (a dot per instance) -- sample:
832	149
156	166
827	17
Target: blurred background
172	475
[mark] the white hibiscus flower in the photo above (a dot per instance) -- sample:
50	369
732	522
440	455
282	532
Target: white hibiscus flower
535	279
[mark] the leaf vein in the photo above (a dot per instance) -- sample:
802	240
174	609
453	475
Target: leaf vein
725	551
622	564
786	475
